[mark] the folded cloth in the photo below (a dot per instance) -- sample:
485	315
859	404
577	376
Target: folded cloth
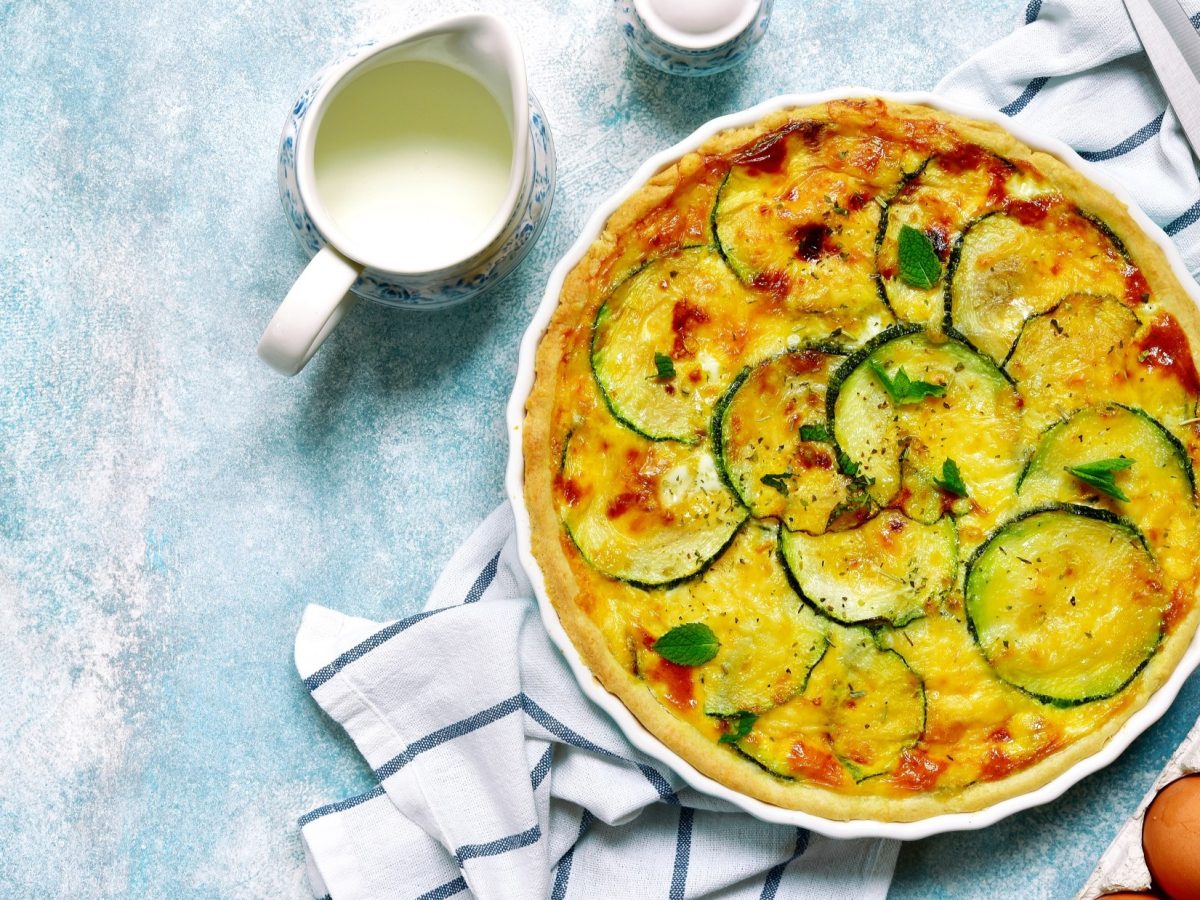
1077	71
498	777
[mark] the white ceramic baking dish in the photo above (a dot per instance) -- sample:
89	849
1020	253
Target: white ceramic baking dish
633	729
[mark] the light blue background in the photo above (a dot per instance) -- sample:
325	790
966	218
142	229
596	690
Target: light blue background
168	505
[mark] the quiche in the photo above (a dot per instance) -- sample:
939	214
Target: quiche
859	461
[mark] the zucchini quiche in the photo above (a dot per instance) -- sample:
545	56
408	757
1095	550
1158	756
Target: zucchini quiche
859	461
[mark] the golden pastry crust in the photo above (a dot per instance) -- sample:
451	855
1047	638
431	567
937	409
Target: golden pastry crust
610	257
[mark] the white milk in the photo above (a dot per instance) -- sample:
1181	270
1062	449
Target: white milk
412	162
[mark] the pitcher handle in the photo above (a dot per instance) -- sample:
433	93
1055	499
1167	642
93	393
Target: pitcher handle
310	311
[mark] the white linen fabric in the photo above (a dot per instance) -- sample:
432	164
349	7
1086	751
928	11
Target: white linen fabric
1076	70
496	776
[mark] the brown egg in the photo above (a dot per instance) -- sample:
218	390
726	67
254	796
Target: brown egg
1171	839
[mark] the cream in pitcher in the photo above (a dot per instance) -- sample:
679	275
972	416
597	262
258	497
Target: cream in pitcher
417	173
413	162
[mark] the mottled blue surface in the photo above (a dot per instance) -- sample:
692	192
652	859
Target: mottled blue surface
168	505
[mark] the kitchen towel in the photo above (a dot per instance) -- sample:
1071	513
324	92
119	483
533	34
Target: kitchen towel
1077	71
497	777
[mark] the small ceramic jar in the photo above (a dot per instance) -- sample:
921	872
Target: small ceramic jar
686	37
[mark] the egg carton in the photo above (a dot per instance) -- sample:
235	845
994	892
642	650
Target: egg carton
1123	865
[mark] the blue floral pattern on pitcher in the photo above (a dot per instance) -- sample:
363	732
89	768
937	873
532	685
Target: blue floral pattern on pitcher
440	289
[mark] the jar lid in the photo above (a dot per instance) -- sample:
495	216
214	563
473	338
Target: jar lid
697	24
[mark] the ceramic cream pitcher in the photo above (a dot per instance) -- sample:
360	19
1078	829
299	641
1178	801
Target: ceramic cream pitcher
416	172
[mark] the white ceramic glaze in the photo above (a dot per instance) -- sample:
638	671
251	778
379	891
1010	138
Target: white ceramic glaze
697	26
483	47
637	734
684	37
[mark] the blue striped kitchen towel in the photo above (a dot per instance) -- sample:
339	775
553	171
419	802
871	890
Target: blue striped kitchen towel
497	778
1076	71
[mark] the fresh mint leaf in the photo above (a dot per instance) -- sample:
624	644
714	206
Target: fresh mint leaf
902	389
919	263
847	466
815	433
1101	475
742	723
664	365
692	644
778	481
951	480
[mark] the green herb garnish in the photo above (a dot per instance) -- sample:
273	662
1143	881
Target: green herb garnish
919	263
904	390
742	723
664	365
847	466
692	644
778	481
951	480
1101	475
815	433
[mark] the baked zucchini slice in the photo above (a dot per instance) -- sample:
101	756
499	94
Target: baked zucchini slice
1158	488
798	217
886	570
863	706
773	443
1091	350
950	190
659	352
650	513
1014	264
769	639
967	412
1066	603
1072	356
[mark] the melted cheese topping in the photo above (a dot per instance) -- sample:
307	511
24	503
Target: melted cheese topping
803	254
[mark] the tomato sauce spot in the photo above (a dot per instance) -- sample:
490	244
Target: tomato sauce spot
767	156
685	317
998	190
815	765
963	158
857	201
810	457
677	680
1137	290
996	765
1000	735
621	504
805	362
777	284
813	241
1029	212
1165	346
939	236
917	771
568	488
970	157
